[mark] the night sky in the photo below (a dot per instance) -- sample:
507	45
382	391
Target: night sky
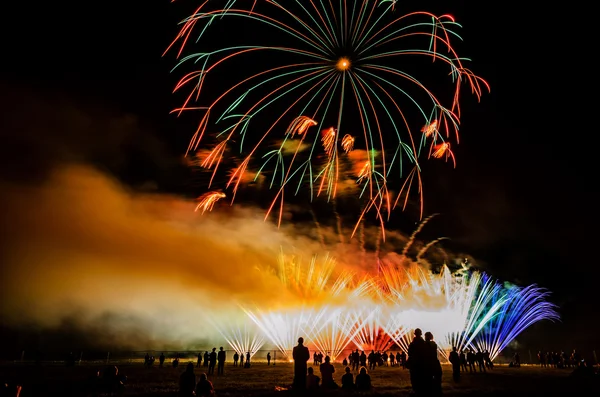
522	199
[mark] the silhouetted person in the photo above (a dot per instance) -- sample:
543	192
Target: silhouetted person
454	359
199	361
488	360
161	359
312	380
300	355
463	360
363	380
402	359
363	359
236	358
479	360
416	363
212	361
471	360
348	380
242	360
204	388
176	361
111	380
221	361
434	367
187	381
247	365
206	358
146	359
269	358
327	371
355	359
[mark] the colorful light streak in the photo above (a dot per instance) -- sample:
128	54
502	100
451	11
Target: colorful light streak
334	61
379	312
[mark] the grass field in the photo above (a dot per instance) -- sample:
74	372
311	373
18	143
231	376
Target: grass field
262	380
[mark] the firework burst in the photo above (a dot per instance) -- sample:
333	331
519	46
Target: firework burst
333	66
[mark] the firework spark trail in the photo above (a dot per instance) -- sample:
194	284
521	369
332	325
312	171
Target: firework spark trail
244	338
336	310
350	71
522	308
283	327
207	201
348	143
411	240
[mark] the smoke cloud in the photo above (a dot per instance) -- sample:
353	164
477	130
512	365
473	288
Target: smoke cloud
84	254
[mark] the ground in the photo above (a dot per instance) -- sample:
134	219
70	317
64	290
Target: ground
263	380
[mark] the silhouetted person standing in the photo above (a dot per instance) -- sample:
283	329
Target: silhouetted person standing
454	359
416	363
212	361
161	359
199	362
463	361
221	360
269	358
355	360
206	357
236	357
434	368
247	360
300	355
242	360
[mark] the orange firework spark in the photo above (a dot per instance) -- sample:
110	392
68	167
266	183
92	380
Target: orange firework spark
430	129
365	171
328	140
208	200
214	156
348	143
300	125
443	150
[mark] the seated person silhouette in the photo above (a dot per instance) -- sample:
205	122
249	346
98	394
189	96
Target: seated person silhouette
312	380
204	388
348	380
363	380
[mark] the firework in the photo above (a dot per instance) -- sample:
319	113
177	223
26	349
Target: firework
464	309
522	307
242	338
329	65
207	201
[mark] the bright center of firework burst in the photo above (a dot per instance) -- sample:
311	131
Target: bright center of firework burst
343	64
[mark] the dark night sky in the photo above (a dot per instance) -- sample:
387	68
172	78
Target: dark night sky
522	198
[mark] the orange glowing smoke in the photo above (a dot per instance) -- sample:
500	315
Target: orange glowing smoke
208	200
